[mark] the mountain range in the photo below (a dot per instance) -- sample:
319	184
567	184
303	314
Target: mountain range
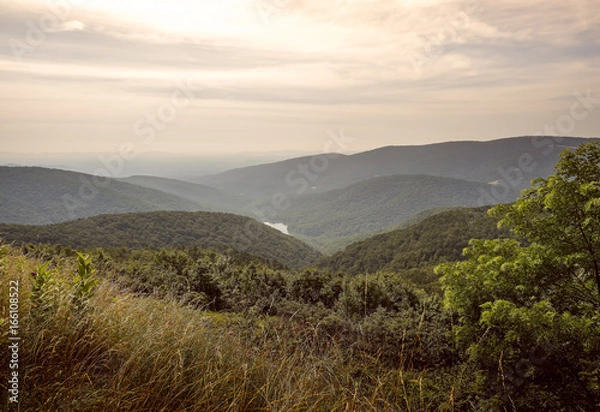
486	162
328	201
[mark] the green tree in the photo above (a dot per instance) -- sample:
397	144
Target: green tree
562	212
529	311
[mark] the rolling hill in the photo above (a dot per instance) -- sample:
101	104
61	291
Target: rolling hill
34	195
214	200
489	161
329	246
164	229
415	250
338	216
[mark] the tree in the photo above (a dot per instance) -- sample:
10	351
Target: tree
563	212
529	310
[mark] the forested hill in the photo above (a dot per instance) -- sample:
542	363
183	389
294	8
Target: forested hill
40	196
163	229
372	206
439	238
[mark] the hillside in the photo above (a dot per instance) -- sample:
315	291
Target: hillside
39	196
477	161
367	207
439	238
164	229
214	200
329	246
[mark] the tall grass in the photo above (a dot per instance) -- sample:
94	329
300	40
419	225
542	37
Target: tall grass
125	353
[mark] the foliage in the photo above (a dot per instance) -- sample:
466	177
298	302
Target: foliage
163	229
414	251
332	246
562	212
83	282
529	312
313	287
44	292
185	328
48	291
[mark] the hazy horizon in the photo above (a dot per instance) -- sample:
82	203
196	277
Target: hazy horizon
183	166
170	165
263	76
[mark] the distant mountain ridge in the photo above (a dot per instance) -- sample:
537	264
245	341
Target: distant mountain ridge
479	161
35	195
166	229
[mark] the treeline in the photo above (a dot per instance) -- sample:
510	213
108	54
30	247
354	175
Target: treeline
168	229
416	250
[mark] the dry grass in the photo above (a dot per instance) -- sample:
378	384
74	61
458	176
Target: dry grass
126	353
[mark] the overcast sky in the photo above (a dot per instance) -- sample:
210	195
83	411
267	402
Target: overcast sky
217	76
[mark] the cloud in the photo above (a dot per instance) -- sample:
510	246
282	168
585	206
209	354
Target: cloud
378	60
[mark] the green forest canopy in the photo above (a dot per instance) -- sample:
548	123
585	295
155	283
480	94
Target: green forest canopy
164	229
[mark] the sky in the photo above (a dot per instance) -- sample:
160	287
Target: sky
233	76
